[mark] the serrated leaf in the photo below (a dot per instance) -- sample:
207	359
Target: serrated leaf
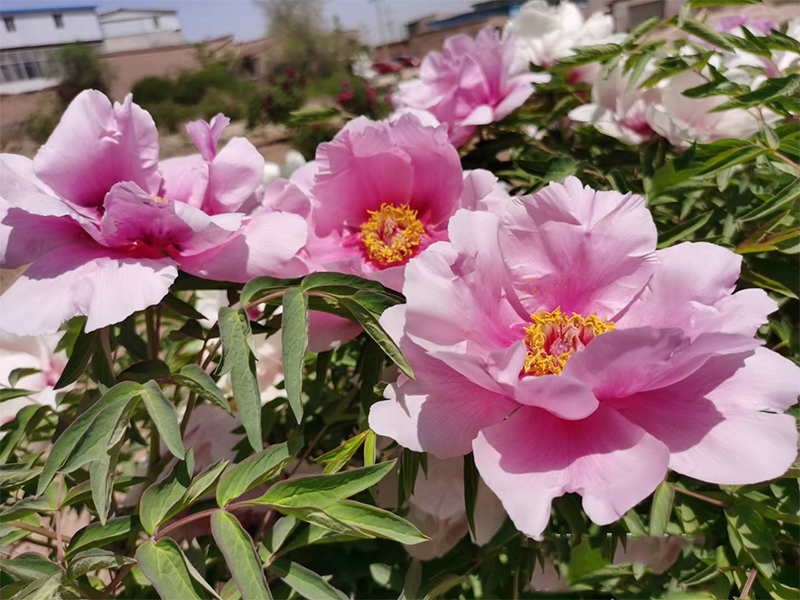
163	414
197	381
256	469
294	338
240	555
84	435
321	491
376	521
163	564
305	582
238	359
94	560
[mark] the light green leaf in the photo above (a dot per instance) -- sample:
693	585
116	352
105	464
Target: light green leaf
13	393
305	582
238	359
202	484
89	433
94	560
294	338
684	230
240	555
26	421
661	509
336	459
275	537
28	567
163	564
319	517
163	414
376	521
321	491
44	589
256	469
161	496
783	198
196	380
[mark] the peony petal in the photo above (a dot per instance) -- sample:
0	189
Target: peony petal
185	179
533	457
234	176
691	289
326	331
97	145
206	135
720	423
583	251
265	245
104	285
483	191
560	395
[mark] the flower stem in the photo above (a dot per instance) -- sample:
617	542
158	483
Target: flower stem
59	537
43	531
713	501
152	332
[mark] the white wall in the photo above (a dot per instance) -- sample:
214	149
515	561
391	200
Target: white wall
39	29
141	42
128	23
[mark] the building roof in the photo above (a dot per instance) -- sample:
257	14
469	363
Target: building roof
138	10
54	9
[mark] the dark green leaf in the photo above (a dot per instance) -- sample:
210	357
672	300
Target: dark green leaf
294	337
96	534
240	555
471	480
164	565
81	353
28	567
94	560
182	308
199	382
259	287
144	371
684	230
13	393
164	417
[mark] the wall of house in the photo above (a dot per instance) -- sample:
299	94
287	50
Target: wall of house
39	29
128	23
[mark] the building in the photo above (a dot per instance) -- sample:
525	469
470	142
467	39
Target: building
30	38
136	29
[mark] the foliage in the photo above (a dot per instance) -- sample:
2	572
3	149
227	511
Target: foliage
153	89
43	120
81	69
261	529
358	97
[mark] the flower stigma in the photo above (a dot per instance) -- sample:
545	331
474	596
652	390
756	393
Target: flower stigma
391	234
553	337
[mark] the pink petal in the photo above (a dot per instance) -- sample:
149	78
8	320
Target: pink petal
326	331
185	179
583	251
234	176
265	245
721	424
482	191
692	289
97	145
206	135
104	285
533	457
558	394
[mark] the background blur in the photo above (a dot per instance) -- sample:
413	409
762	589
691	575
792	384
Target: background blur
254	60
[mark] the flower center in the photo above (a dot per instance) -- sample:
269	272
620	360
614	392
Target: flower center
391	234
553	337
160	200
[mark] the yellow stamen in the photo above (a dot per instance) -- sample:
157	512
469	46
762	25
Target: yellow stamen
391	234
553	337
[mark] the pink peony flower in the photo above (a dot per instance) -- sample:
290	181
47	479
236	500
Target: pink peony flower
569	355
106	229
383	191
617	111
38	354
469	83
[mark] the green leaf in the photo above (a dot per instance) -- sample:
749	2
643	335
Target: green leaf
28	567
44	589
751	538
94	427
94	560
471	480
161	496
321	491
783	198
163	564
684	230
640	30
15	474
275	537
584	559
165	418
339	284
102	471
305	582
96	534
256	469
182	308
307	116
413	581
202	484
705	33
374	330
259	287
336	459
661	509
589	54
25	421
318	517
294	337
144	371
13	393
16	374
199	382
81	353
376	521
240	555
238	359
634	524
772	89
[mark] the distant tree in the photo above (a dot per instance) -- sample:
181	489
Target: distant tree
81	69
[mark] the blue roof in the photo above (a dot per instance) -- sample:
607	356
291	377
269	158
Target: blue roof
55	9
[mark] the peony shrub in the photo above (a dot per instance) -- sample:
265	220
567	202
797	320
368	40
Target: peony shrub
533	333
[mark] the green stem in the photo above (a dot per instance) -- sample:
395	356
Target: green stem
155	454
152	334
187	414
700	497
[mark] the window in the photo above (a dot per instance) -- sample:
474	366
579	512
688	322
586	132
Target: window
28	64
155	22
59	21
10	25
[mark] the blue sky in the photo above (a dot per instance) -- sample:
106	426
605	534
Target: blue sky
203	19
